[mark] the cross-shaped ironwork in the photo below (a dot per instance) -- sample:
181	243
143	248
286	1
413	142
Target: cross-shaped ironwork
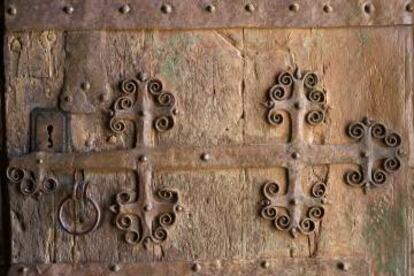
144	215
297	95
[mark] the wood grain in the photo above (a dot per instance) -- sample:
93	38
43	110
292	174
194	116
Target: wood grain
221	79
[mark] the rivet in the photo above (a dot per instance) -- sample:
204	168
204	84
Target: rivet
24	269
85	85
364	154
125	9
68	99
68	9
295	155
343	266
327	8
211	8
294	7
51	36
294	201
368	8
249	7
147	207
409	8
175	111
11	10
179	208
142	77
39	161
324	200
143	158
166	8
205	157
115	268
265	264
196	267
103	97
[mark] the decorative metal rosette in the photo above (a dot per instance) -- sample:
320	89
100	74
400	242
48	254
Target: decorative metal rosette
282	216
129	105
380	153
27	183
133	214
295	91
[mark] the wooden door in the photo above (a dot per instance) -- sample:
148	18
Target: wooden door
205	137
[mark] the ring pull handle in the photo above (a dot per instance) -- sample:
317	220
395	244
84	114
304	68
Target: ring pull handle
78	213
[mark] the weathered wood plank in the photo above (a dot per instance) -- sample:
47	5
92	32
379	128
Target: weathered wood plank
220	79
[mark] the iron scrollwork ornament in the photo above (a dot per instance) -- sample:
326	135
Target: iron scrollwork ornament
380	154
146	218
286	211
376	151
135	100
28	182
296	91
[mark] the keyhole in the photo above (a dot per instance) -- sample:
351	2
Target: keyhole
49	136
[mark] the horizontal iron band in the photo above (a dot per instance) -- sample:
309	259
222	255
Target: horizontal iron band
195	14
192	158
328	266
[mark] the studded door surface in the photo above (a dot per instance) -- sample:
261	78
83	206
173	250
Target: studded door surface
208	137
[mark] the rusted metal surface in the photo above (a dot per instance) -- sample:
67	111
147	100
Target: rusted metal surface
74	219
191	14
316	266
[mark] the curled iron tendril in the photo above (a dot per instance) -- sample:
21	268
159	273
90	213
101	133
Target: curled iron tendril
164	123
316	96
275	118
319	190
277	93
315	117
285	78
311	80
155	87
27	183
129	86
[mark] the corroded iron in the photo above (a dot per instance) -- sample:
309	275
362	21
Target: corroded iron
271	266
72	211
49	130
31	184
381	153
191	14
135	100
297	96
143	216
286	211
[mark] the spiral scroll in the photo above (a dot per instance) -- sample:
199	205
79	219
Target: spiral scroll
296	90
127	108
27	183
274	210
380	147
134	211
